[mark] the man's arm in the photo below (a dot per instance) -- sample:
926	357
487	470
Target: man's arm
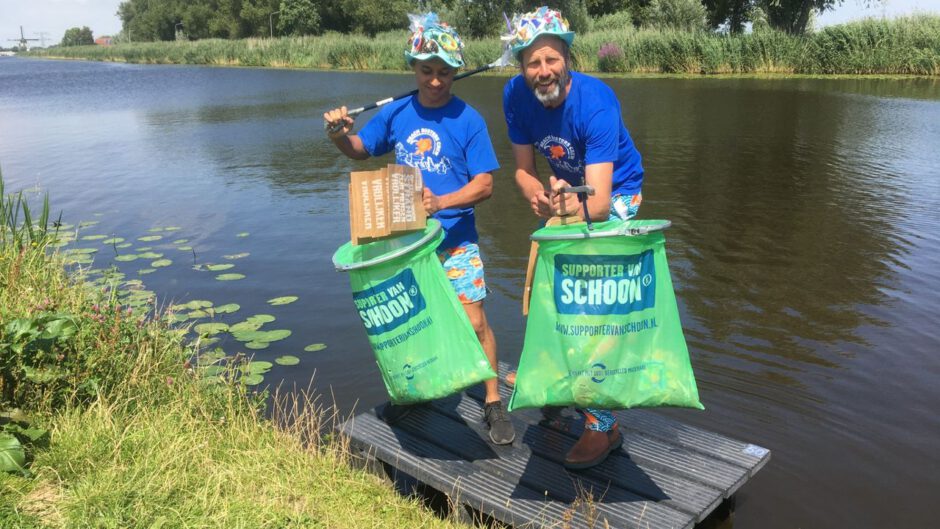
478	189
528	181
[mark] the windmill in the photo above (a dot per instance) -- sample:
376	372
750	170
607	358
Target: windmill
24	42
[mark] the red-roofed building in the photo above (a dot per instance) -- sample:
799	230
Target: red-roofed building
103	41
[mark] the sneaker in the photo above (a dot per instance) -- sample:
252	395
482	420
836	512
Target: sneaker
392	413
501	430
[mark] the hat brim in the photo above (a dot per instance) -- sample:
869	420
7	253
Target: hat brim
567	37
427	56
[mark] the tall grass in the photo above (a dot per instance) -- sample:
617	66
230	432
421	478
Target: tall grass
17	227
909	45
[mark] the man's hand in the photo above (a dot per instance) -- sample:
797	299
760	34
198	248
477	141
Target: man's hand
432	202
338	122
563	204
541	205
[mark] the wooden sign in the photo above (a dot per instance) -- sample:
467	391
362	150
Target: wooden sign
385	203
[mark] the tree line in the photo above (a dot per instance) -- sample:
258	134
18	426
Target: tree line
156	20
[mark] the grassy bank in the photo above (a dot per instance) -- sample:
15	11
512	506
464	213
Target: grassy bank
902	46
105	420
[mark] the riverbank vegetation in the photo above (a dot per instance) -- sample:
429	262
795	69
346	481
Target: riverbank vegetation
905	46
105	421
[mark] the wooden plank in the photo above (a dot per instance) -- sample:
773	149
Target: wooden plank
694	464
648	423
668	474
745	455
460	479
519	465
647	481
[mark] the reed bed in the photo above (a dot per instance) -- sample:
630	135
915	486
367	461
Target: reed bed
904	46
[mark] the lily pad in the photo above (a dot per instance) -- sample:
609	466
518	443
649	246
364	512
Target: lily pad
252	380
193	304
184	248
172	228
149	238
243	234
230	277
258	367
177	318
261	318
79	259
213	370
210	357
87	223
155	230
236	255
228	308
262	336
144	248
244	326
94	237
145	271
81	251
211	329
125	258
181	241
284	300
219	267
160	263
192	315
257	345
150	255
124	245
315	347
113	240
287	360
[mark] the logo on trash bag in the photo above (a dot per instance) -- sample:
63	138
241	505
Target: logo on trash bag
604	284
600	373
389	304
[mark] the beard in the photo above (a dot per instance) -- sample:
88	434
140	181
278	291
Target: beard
554	95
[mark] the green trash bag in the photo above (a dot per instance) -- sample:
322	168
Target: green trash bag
422	338
603	328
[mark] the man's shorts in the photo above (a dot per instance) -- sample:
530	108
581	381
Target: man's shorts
625	207
464	268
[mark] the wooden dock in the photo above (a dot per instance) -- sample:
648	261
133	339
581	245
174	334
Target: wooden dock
667	475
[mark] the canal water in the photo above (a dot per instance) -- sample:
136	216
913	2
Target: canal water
804	250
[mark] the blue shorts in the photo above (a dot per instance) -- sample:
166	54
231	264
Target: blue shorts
464	267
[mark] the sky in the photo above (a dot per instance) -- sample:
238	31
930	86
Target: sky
50	18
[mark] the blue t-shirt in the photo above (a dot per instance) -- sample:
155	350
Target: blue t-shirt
450	145
587	128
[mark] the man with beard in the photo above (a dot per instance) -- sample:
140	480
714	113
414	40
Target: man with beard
574	121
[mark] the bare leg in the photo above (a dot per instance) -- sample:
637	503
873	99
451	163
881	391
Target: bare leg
485	334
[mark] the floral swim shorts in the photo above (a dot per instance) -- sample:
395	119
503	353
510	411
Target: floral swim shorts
625	207
464	268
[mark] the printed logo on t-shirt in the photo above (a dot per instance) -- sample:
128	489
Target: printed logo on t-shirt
422	149
560	154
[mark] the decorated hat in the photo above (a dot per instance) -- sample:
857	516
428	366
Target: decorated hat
525	28
432	38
